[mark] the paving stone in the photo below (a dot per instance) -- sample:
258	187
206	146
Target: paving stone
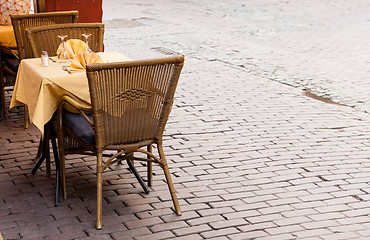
131	233
203	220
192	236
217	233
228	223
143	222
155	236
312	233
249	235
169	226
192	230
320	224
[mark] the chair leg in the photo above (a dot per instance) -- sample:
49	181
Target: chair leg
3	103
2	92
99	193
57	166
62	167
60	138
149	167
25	116
169	181
47	135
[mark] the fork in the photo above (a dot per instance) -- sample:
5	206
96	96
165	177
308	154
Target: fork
65	68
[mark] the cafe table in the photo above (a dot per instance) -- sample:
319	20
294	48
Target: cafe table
41	88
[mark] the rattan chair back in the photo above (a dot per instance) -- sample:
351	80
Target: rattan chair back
131	101
45	38
22	22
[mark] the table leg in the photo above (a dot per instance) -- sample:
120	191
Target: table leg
44	154
138	177
45	151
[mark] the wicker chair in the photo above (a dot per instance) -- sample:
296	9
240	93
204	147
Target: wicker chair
45	38
20	24
9	62
131	102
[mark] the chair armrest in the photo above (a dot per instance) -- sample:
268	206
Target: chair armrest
76	107
9	50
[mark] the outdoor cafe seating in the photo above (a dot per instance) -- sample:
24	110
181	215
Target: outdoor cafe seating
11	60
93	102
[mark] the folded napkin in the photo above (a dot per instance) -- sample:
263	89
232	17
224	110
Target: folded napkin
73	47
82	59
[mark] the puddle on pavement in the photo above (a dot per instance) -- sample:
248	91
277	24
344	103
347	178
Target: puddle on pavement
322	99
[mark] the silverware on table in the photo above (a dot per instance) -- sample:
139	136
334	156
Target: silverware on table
52	59
65	68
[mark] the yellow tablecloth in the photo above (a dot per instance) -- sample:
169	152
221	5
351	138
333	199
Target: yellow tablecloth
41	88
7	37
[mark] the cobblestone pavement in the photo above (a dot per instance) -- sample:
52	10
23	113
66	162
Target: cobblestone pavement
251	158
321	46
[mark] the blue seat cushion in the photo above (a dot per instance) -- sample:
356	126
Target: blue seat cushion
79	126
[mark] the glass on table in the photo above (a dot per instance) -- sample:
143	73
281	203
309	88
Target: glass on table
63	56
86	36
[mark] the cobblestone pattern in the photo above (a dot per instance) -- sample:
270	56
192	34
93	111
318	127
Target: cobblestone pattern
321	46
251	158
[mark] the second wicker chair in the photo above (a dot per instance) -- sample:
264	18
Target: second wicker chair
45	38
